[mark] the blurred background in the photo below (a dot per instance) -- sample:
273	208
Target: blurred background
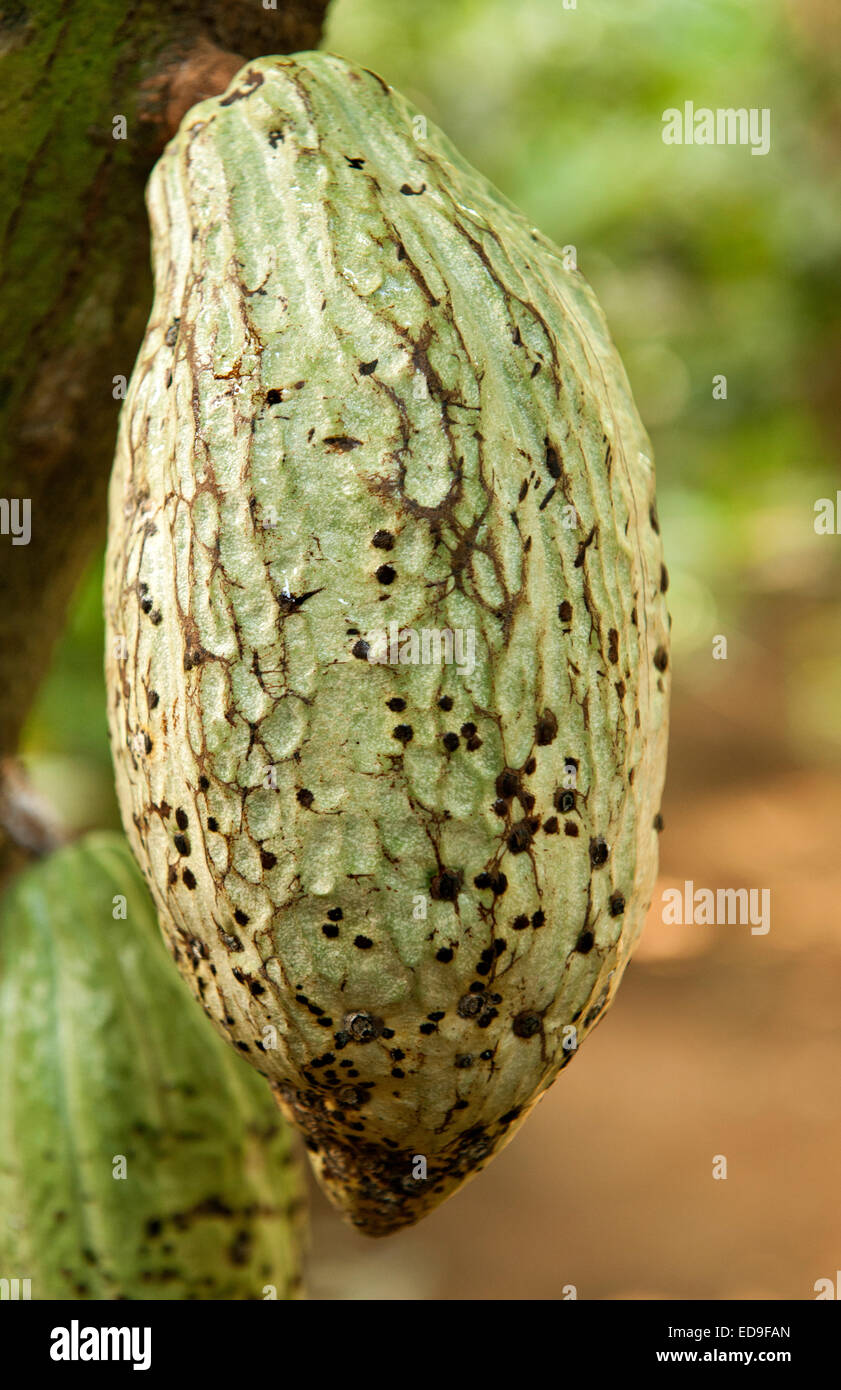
708	261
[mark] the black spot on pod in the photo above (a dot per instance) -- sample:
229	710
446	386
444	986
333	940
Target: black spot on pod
507	784
552	461
341	443
497	882
383	540
363	1028
520	837
661	658
546	730
526	1024
598	852
471	1005
445	886
350	1097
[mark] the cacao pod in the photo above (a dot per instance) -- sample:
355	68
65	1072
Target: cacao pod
387	635
139	1157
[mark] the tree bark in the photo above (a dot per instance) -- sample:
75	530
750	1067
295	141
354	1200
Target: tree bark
76	287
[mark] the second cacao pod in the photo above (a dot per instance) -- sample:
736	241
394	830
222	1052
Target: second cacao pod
139	1158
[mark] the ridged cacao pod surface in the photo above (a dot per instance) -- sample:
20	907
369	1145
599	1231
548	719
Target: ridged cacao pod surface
387	634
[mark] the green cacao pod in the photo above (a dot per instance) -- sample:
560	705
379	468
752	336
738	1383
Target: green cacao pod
139	1157
387	635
